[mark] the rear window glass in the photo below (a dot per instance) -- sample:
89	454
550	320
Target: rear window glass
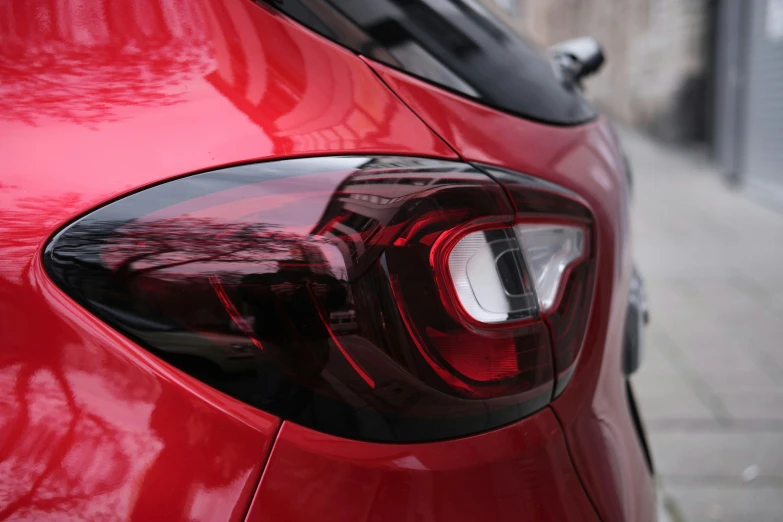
456	44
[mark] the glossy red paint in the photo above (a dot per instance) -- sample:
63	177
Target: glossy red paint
98	99
102	98
107	97
519	473
593	408
96	428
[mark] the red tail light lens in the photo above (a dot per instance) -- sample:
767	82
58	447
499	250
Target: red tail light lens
388	299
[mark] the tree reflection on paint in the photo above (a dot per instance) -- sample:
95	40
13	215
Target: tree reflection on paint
83	62
83	434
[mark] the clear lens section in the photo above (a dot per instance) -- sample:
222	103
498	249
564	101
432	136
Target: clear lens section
489	276
549	251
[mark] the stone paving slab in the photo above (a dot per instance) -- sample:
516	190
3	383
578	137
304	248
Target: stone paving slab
723	454
711	386
705	500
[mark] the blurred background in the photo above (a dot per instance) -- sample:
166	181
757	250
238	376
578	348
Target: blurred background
699	73
696	88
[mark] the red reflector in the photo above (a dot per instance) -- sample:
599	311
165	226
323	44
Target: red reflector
491	360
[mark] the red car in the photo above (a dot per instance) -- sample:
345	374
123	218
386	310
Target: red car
310	260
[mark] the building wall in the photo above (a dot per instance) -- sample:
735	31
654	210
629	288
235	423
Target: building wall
658	59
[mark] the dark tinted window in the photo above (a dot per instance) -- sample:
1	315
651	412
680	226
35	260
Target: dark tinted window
456	44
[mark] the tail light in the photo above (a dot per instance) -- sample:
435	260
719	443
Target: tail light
376	298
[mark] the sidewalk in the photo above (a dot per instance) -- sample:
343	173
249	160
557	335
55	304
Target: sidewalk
711	385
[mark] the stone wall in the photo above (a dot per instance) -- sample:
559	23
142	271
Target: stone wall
657	54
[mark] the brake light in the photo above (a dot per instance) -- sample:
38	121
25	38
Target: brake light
389	299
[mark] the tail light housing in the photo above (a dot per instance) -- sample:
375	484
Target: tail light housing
375	298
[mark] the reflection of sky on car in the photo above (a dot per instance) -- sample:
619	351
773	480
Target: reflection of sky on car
281	198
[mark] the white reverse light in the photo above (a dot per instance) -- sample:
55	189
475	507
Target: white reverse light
549	251
488	273
503	275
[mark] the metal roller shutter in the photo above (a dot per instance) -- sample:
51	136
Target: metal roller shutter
763	142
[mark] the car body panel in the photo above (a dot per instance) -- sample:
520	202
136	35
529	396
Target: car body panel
518	473
104	98
96	428
585	159
456	44
75	119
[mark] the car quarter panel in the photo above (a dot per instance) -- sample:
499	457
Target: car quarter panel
584	159
519	473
